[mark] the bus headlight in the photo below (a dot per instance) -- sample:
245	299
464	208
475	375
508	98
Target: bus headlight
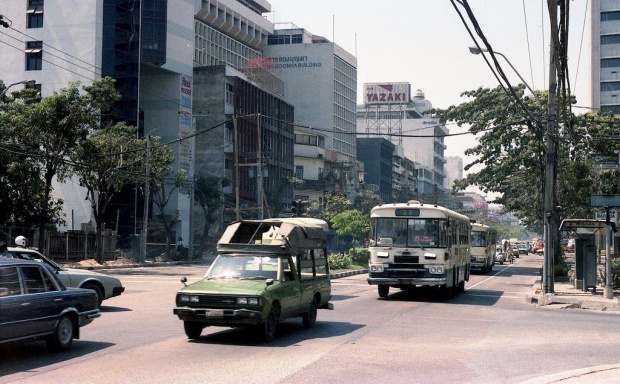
436	270
377	268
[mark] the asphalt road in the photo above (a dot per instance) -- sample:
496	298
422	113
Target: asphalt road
488	334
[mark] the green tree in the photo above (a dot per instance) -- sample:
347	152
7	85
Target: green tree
334	203
208	194
110	158
162	188
351	222
366	201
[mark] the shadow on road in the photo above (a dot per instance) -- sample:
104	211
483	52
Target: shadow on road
29	356
289	333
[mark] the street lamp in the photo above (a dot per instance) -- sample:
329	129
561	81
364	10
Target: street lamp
477	51
28	83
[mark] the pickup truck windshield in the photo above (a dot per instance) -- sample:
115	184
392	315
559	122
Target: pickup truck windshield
244	267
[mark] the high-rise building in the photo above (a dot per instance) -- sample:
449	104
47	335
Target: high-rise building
454	170
320	81
605	55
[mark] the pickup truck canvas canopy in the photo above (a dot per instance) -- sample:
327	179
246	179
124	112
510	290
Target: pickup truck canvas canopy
278	235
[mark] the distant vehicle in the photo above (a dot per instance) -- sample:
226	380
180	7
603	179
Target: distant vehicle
523	249
483	239
267	271
104	286
538	248
35	304
499	255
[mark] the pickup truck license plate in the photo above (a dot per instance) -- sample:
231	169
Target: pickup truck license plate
214	313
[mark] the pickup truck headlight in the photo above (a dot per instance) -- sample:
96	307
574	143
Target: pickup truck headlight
376	268
248	300
188	299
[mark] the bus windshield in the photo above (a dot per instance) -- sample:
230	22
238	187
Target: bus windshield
478	239
407	232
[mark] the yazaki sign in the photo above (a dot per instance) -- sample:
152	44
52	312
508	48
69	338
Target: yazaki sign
386	93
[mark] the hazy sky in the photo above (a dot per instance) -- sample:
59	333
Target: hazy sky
425	43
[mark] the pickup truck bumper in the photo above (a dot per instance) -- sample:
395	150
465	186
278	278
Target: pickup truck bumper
224	317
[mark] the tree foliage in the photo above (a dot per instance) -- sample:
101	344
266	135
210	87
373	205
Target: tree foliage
511	151
208	195
351	222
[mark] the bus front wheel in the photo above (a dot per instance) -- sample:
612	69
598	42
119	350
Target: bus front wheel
384	290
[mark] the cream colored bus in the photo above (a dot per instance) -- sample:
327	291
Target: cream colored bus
413	244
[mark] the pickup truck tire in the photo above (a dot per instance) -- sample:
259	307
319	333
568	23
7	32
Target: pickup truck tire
193	329
309	318
62	337
267	330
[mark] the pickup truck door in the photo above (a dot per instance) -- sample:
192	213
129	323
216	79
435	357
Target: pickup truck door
290	289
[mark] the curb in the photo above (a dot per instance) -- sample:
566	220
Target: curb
207	262
347	273
573	301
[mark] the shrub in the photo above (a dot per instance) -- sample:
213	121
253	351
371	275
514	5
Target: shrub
359	256
339	261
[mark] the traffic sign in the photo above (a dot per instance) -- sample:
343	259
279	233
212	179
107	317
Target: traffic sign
613	216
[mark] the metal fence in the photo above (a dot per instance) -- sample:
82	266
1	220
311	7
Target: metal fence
65	246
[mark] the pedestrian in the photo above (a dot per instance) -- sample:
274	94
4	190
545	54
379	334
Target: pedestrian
4	251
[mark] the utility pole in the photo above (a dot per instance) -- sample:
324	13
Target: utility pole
145	217
236	150
550	224
259	172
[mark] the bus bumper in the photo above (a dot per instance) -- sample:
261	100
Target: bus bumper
393	281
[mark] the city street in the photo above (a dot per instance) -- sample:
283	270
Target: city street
487	334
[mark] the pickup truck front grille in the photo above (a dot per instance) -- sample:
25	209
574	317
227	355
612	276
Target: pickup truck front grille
217	301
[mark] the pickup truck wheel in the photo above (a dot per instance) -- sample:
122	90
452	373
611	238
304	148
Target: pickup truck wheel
269	327
384	290
62	338
193	329
309	318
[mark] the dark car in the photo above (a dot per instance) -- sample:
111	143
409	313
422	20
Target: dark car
35	304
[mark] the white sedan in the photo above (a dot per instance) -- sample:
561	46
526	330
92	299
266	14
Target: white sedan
104	286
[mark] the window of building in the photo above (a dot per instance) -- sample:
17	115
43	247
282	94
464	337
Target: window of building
610	63
34	14
299	172
610	16
34	55
610	39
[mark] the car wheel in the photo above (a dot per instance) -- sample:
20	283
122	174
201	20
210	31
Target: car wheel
193	329
461	287
62	338
270	326
97	290
309	318
384	290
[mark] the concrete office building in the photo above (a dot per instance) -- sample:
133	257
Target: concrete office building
454	170
320	81
605	55
152	47
148	51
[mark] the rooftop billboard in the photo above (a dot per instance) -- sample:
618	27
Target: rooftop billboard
386	93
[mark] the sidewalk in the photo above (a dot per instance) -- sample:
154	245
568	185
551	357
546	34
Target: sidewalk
567	296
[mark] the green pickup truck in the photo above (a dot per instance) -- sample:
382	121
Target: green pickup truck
266	271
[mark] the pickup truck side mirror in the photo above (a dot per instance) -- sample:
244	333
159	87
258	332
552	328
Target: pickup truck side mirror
184	280
269	281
